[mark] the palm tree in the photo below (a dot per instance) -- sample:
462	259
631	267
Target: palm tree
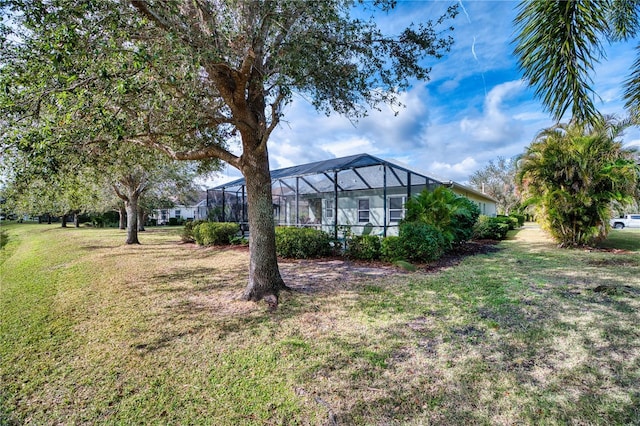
572	173
453	215
558	43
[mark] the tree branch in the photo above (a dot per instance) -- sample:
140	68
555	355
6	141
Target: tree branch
120	194
195	154
275	118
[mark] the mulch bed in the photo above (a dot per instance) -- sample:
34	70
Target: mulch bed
313	275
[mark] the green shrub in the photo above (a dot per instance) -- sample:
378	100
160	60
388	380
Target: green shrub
519	218
452	214
490	228
511	222
422	242
463	220
239	241
173	221
195	231
302	243
187	234
215	233
392	249
363	247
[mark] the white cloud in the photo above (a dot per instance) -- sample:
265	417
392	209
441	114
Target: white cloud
455	171
494	125
531	116
355	145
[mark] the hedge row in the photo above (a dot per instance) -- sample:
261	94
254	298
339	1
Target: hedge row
492	228
302	243
417	241
210	233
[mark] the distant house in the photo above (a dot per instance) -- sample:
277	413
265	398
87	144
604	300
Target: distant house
360	192
181	212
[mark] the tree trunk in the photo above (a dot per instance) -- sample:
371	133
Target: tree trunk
134	184
76	220
265	281
131	205
141	219
48	219
123	217
64	220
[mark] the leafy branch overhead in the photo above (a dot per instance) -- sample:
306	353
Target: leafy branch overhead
558	44
190	71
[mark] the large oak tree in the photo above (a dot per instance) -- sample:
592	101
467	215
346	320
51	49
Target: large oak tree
204	77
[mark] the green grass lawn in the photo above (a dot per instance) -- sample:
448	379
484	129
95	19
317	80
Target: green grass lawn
95	332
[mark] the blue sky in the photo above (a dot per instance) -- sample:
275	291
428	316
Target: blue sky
474	109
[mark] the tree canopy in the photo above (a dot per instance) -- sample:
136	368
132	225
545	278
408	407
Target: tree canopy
498	179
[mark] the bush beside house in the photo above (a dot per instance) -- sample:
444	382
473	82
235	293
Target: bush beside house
364	247
210	233
422	241
491	228
302	243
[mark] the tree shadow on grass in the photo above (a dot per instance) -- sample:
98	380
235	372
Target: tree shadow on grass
201	279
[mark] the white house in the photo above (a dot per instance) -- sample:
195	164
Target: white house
181	212
361	192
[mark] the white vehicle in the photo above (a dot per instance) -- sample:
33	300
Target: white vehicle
626	221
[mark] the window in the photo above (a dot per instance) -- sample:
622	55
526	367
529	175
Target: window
329	208
363	211
178	214
396	209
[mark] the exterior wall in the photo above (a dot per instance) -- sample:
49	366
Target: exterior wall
487	206
348	211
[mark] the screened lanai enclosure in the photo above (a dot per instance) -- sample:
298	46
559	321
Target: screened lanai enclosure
361	193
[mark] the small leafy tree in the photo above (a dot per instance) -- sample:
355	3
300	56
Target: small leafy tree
498	179
572	173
